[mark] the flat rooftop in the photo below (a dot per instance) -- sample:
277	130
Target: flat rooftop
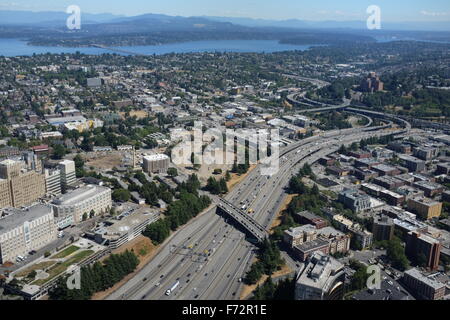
17	217
384	167
298	231
317	243
319	271
424	279
78	195
123	223
154	157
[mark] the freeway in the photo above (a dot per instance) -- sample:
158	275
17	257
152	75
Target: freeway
208	256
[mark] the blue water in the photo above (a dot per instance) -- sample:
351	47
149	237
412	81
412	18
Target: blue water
393	39
16	47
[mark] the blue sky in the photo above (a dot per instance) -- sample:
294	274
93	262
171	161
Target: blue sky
392	10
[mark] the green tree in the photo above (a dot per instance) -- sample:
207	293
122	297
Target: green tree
121	195
173	172
396	254
59	152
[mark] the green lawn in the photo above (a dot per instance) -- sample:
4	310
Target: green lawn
62	267
38	266
66	252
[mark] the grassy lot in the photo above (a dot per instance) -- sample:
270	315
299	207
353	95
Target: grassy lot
66	252
38	266
61	267
330	193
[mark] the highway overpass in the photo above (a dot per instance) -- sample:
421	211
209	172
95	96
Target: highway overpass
246	221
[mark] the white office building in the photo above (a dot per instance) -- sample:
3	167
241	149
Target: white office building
22	231
53	182
82	202
68	174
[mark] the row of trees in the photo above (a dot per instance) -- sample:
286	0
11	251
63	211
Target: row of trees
283	290
384	140
150	191
269	261
189	205
216	187
307	199
97	277
178	213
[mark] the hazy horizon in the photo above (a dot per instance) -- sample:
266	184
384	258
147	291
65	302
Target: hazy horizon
321	10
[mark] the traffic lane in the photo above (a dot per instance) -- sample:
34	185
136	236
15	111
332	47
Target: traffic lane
157	262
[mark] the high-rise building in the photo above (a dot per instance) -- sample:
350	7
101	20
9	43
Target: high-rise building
372	83
24	230
68	174
19	187
53	182
321	279
423	249
383	228
157	163
10	168
33	162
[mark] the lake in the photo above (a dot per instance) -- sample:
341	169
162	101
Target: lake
16	47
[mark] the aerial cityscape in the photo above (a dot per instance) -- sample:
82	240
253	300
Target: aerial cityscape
225	152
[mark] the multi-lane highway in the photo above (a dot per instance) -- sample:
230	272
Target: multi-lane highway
209	256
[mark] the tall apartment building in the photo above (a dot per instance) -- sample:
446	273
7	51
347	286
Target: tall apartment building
22	231
82	201
33	162
157	163
321	279
68	174
10	168
383	228
19	187
420	246
425	288
425	208
372	83
53	182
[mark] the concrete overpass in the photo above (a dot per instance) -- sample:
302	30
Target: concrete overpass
244	219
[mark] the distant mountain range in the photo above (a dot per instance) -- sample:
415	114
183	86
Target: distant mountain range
48	18
48	28
355	24
56	19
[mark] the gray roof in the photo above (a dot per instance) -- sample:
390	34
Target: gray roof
386	292
424	279
17	217
78	195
